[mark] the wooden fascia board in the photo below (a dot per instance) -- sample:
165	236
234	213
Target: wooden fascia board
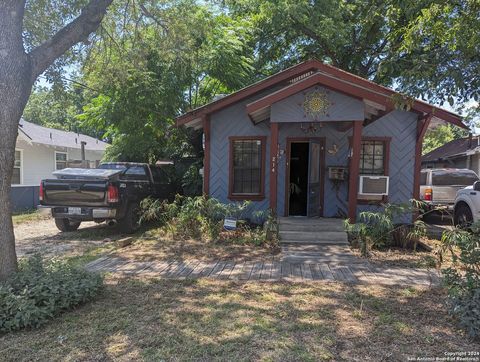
336	73
324	80
418	105
271	81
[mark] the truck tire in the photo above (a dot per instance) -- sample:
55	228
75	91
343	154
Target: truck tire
66	225
463	215
131	222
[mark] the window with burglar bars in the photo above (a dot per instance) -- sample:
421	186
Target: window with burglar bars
372	158
247	161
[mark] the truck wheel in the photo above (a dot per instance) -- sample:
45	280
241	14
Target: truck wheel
66	225
131	222
463	215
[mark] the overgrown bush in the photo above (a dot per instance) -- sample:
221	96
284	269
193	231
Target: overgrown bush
41	290
379	229
192	217
462	279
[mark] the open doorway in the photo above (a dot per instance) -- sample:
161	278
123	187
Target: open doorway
298	190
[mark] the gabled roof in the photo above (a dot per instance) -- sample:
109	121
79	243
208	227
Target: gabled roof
300	77
34	133
456	148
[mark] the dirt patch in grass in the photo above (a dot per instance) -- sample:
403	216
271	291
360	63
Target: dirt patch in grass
28	216
139	319
156	245
405	258
91	239
41	236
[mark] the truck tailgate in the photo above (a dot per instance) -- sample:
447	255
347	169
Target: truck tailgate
75	192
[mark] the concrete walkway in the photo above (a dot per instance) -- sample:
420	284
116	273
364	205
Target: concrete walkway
271	269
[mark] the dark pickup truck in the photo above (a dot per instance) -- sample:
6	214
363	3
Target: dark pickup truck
112	192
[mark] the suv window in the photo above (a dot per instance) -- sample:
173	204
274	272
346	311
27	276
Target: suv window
454	178
135	173
423	178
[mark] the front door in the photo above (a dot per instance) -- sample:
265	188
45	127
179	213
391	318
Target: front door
304	171
314	178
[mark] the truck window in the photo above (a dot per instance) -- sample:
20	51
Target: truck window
112	166
454	178
135	173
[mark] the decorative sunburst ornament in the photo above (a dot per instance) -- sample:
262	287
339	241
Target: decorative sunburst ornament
316	104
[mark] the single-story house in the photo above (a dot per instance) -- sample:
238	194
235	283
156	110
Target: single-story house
39	151
459	153
314	140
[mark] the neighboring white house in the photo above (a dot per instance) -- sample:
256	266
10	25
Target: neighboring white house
39	151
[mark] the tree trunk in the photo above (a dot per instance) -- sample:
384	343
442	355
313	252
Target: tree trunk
15	88
18	72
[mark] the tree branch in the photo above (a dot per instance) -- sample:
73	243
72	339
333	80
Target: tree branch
149	15
79	29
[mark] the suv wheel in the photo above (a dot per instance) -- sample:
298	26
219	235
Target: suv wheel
131	222
66	225
463	215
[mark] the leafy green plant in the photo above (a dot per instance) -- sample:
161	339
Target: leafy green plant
462	279
194	217
378	229
271	226
41	290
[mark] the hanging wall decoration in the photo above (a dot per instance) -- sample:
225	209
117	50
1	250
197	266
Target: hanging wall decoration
316	104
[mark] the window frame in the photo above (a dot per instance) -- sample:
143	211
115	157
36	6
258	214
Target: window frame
386	154
20	168
55	159
386	169
263	145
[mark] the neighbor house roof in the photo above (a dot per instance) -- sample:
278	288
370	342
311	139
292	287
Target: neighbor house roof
456	148
54	137
377	98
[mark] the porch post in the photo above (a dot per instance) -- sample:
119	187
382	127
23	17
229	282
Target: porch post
354	170
273	165
206	155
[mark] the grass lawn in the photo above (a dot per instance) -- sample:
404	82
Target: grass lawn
137	319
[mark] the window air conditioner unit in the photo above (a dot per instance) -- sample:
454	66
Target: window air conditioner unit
373	185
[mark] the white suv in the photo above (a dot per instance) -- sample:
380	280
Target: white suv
467	205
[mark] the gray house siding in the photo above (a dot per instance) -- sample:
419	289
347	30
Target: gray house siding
401	126
233	121
343	108
24	198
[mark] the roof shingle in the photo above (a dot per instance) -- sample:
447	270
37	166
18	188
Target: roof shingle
59	138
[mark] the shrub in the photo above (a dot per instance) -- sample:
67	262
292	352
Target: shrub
41	290
462	279
192	217
378	229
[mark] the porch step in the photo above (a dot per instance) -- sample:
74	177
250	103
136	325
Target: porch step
311	227
315	240
310	237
